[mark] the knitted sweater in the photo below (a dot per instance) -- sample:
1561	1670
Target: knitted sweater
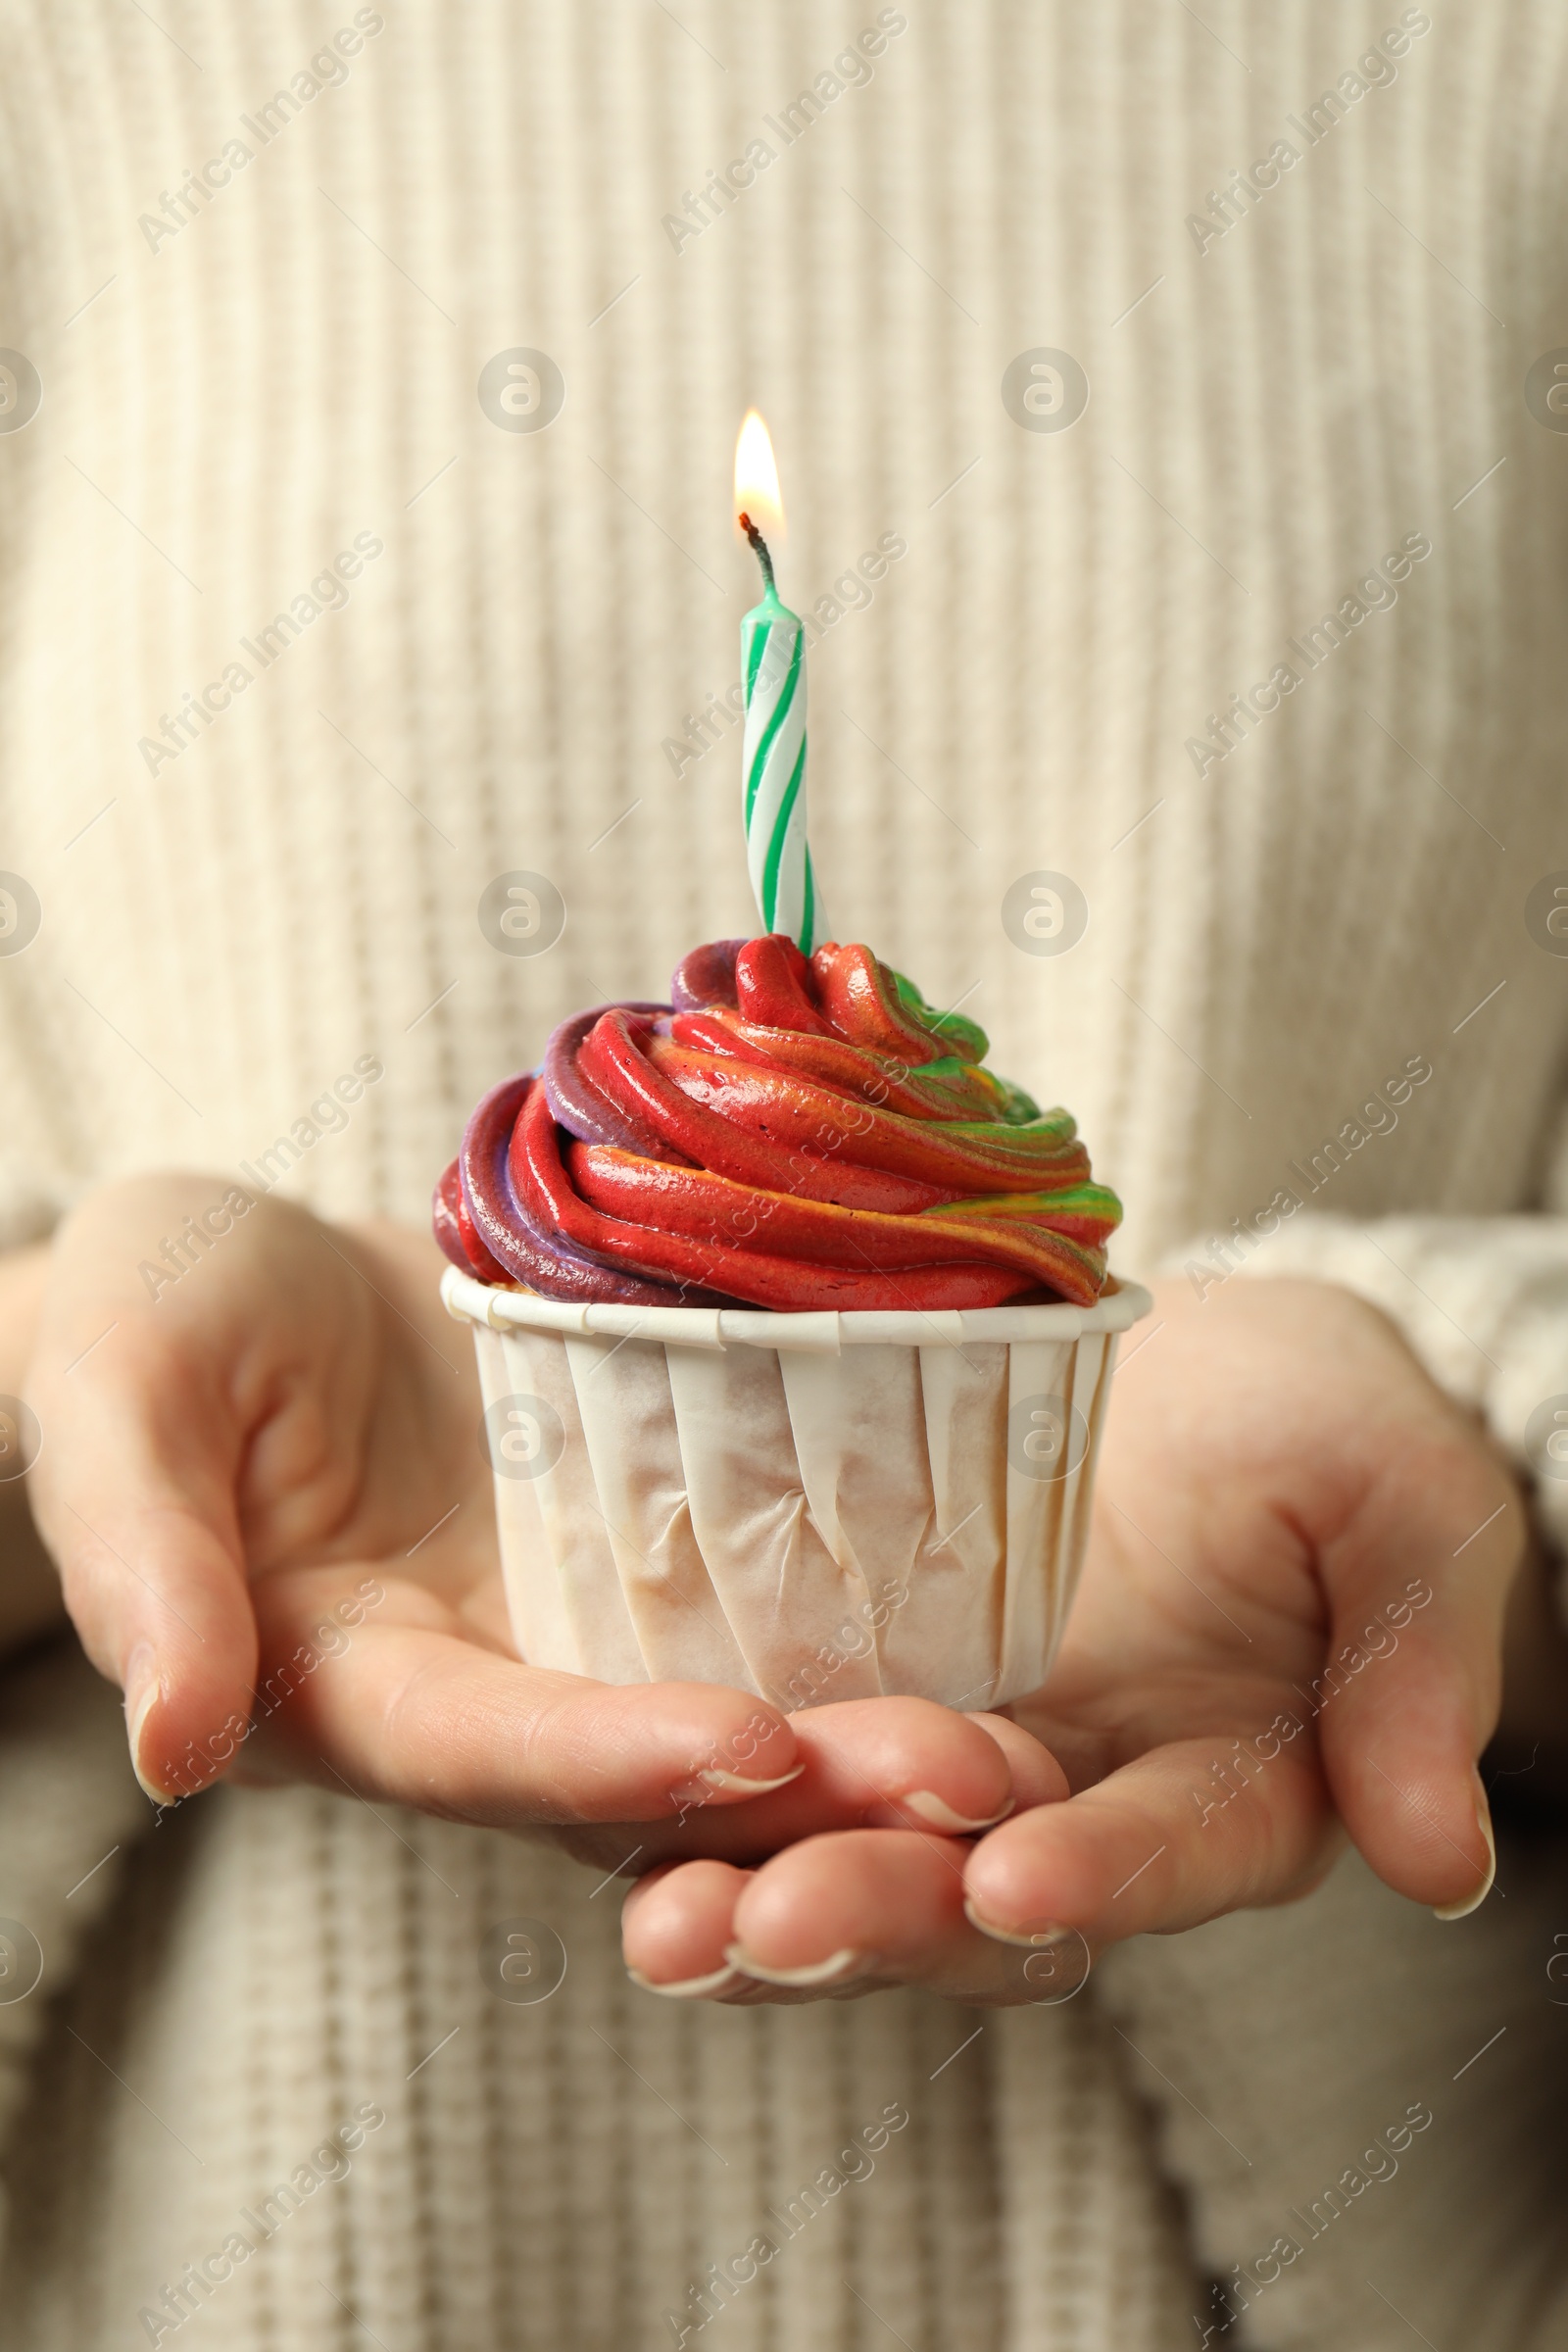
1190	375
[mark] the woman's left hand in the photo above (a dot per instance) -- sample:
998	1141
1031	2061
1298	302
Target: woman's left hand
1289	1620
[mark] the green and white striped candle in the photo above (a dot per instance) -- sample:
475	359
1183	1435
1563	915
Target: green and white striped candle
773	754
773	757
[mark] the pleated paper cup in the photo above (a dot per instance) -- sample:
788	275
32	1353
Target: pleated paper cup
810	1506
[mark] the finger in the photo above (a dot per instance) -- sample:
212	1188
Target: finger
1038	1775
892	1762
884	1905
882	1762
133	1495
1409	1690
413	1713
674	1935
1181	1835
738	1781
833	1916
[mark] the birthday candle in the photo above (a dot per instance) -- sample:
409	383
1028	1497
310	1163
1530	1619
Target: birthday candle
773	754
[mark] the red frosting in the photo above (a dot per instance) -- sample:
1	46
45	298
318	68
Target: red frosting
788	1134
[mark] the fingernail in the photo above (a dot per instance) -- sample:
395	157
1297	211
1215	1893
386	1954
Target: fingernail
687	1989
716	1776
1036	1939
845	1963
1473	1902
143	1690
937	1811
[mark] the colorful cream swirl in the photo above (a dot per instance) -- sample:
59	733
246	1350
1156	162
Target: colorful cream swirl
786	1133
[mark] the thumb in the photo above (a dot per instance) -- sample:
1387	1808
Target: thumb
1409	1690
133	1492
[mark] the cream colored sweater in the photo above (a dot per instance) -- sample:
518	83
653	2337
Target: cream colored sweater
302	645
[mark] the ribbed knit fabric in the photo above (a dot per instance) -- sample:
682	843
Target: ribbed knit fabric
1288	2048
1272	411
69	1809
298	365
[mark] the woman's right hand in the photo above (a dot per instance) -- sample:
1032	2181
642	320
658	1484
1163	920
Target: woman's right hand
266	1493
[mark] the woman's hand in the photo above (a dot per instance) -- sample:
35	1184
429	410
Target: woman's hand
264	1484
1290	1619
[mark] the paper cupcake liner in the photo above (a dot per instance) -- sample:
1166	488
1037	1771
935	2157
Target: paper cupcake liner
810	1506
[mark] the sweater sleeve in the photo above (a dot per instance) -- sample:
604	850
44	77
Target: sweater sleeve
1482	1301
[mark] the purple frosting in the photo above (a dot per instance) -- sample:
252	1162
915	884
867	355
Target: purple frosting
544	1261
707	976
580	1107
547	1263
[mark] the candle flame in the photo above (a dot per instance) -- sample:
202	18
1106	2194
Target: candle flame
756	490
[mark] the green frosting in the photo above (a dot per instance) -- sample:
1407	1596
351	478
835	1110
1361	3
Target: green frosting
967	1036
1015	1108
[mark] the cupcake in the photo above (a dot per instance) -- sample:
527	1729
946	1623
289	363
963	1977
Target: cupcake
795	1334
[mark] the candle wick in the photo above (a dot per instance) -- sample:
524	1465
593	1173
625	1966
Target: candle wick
758	548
